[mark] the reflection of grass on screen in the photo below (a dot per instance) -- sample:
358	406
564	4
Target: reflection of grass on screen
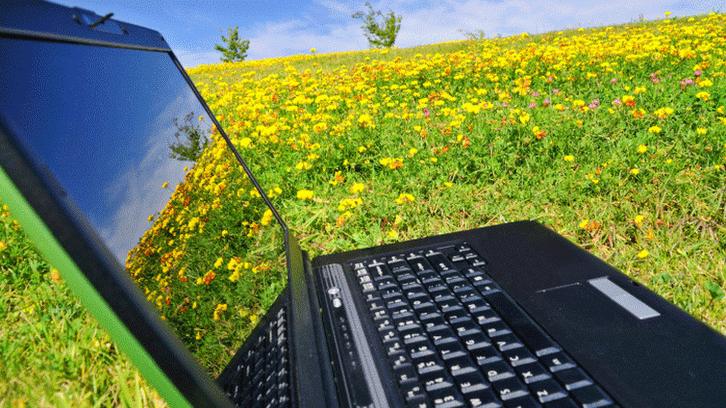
614	137
212	261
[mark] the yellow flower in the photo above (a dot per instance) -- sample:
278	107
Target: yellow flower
667	14
349	203
313	50
703	95
266	217
365	120
634	171
701	131
305	194
404	198
245	142
412	152
198	335
218	262
392	234
584	223
234	276
392	163
165	184
638	220
569	158
218	310
357	188
524	118
642	148
643	254
3	246
704	83
54	275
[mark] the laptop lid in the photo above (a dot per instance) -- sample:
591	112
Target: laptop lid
123	178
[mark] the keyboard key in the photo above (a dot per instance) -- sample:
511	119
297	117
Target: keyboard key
438	384
494	328
420	264
522	402
487	287
562	403
447	346
506	342
497	370
517	357
446	397
572	378
413	393
557	361
510	388
439	262
471	380
531	373
547	390
474	340
591	397
460	364
405	372
484	355
481	398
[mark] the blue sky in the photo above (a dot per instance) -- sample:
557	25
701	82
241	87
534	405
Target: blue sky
285	27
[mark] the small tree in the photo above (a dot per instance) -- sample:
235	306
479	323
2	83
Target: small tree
236	49
191	139
380	30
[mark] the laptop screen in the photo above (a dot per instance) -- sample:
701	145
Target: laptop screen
128	141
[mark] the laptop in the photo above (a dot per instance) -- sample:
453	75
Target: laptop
121	175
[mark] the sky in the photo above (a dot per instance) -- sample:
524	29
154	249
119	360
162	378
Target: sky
286	27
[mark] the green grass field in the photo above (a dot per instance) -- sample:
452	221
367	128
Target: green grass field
596	133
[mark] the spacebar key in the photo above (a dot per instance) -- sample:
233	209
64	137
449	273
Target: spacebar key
539	342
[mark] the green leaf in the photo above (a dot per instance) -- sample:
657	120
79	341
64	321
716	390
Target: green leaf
714	290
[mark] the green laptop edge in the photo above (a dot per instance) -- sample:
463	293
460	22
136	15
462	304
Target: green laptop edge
54	253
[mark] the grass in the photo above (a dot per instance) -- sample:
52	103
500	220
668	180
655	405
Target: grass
440	138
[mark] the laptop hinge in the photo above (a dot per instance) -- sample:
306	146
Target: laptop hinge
310	358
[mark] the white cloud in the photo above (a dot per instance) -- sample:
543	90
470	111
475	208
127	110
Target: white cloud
190	58
296	36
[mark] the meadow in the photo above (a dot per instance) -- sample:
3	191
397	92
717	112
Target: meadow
615	137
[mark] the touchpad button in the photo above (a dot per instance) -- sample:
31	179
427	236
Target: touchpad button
635	306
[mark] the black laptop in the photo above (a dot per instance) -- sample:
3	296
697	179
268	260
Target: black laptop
113	164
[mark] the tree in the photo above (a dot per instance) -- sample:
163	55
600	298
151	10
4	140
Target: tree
380	30
236	49
191	139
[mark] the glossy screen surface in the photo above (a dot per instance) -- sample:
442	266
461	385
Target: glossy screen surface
126	138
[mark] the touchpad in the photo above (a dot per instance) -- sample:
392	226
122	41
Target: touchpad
627	301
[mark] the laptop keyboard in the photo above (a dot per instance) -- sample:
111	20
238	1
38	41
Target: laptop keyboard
263	375
453	338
